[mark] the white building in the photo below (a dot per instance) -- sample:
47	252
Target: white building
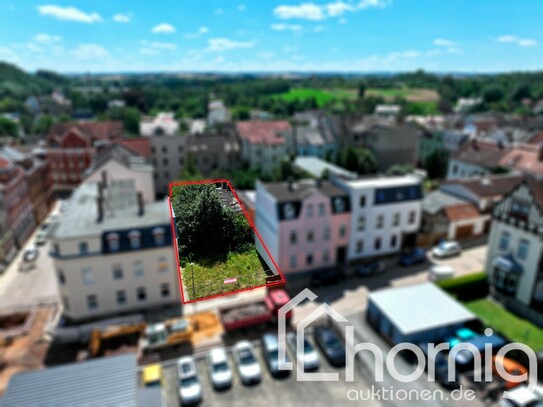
385	214
515	250
164	124
217	113
113	253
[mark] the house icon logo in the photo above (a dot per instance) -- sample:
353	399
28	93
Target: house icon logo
283	364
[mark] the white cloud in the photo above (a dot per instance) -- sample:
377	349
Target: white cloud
286	27
89	52
163	28
47	39
122	18
225	44
441	42
318	28
242	7
69	14
148	51
159	45
513	39
316	12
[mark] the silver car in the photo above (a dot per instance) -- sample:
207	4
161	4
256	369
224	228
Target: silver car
308	357
190	388
220	373
248	366
446	248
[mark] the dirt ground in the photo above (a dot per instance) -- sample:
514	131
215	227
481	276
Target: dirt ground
26	352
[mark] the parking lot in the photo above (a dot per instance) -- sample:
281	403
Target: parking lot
282	392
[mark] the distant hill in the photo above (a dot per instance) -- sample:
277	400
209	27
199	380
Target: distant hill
18	84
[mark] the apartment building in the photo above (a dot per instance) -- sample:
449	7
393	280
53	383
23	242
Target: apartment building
385	214
515	250
164	124
305	224
112	252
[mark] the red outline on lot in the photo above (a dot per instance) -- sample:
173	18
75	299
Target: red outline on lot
251	224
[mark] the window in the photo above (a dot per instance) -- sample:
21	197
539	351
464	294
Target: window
504	241
310	210
523	247
520	210
113	242
326	234
165	290
159	235
412	217
138	269
380	222
321	209
377	244
309	259
83	248
361	223
293	261
393	241
310	236
92	302
56	249
360	246
117	272
325	256
88	276
455	169
181	161
362	201
164	149
66	303
121	297
339	205
61	277
293	237
165	161
396	219
134	237
342	231
162	264
180	149
288	211
141	294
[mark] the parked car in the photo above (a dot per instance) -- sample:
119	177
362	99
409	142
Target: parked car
41	238
447	248
270	347
31	254
328	341
412	257
309	358
441	272
220	373
325	277
152	375
372	268
247	363
190	388
521	396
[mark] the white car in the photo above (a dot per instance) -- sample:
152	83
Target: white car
441	272
521	396
309	358
190	388
220	372
446	248
248	367
41	237
31	254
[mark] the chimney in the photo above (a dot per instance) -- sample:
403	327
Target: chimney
104	178
100	208
540	152
141	205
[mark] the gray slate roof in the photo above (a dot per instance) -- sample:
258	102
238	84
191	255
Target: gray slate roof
437	200
300	189
104	382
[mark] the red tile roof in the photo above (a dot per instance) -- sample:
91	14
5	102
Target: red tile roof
268	132
524	158
4	163
537	139
461	212
481	153
537	191
93	130
141	145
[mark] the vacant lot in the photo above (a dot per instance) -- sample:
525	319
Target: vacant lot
411	95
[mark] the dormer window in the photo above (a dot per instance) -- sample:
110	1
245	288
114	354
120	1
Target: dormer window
288	211
113	242
135	239
159	236
339	205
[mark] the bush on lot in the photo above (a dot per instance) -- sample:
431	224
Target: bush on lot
466	288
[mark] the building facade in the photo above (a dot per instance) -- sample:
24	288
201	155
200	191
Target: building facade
385	214
113	254
304	224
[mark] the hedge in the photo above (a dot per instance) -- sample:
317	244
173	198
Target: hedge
466	288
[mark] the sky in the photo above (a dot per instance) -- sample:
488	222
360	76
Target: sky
100	36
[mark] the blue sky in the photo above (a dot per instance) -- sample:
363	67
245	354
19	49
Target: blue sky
272	35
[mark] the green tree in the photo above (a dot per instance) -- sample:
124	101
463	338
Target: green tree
8	127
190	171
43	124
436	164
361	90
493	93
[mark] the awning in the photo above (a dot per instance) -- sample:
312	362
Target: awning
507	264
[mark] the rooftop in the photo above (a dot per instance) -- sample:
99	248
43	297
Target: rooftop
488	186
481	153
298	190
120	211
461	212
437	200
525	158
418	308
106	381
264	132
316	166
93	130
382	181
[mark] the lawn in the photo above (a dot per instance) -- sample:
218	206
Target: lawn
501	320
209	279
322	96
